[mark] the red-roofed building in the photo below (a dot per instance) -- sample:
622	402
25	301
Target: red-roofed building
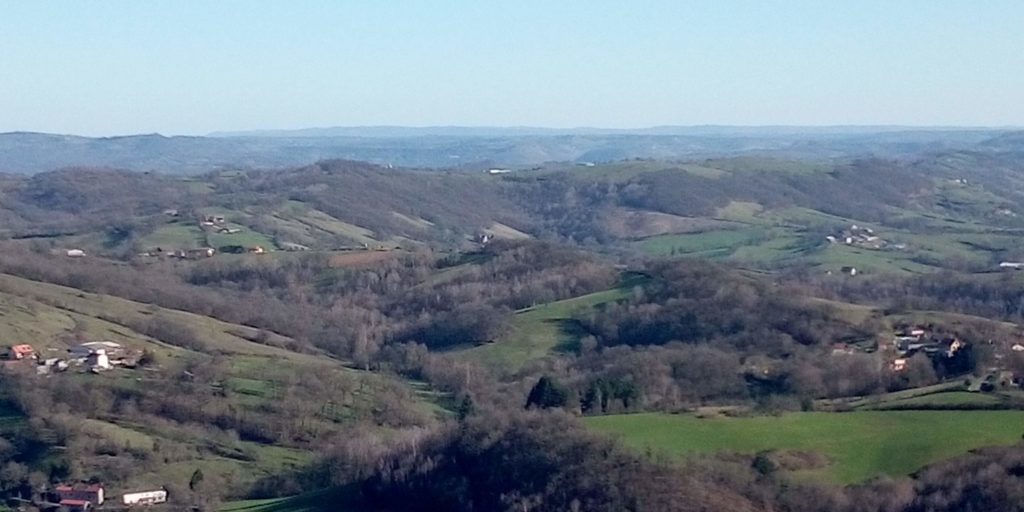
74	495
19	352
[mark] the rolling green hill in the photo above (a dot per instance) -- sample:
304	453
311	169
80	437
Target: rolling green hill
942	211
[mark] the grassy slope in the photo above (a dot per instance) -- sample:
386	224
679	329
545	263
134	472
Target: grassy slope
178	235
954	398
720	242
949	224
877	400
539	330
110	315
320	220
245	238
300	220
507	232
293	221
859	444
44	315
715	168
331	500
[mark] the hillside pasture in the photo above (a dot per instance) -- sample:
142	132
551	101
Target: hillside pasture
716	243
507	232
762	164
359	258
740	211
955	399
633	224
836	256
111	315
174	236
244	238
340	499
538	331
859	445
318	220
256	372
782	247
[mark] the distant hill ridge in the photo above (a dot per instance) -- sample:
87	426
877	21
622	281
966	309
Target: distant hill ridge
477	148
513	131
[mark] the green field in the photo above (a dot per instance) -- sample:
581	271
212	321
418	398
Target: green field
618	171
174	236
768	165
928	237
626	170
753	245
952	399
539	330
873	401
772	245
331	500
117	433
740	211
781	247
244	238
868	260
106	317
299	218
858	444
716	243
779	237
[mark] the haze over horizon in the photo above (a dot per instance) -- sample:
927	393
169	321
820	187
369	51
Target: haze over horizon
191	68
387	130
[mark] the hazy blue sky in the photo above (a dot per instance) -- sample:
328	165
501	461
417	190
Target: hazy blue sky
190	67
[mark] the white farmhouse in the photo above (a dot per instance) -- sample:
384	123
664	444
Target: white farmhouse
98	360
144	498
84	350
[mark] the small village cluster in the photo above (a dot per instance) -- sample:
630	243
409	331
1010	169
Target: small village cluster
216	224
863	237
907	342
917	339
92	356
943	350
95	357
89	496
